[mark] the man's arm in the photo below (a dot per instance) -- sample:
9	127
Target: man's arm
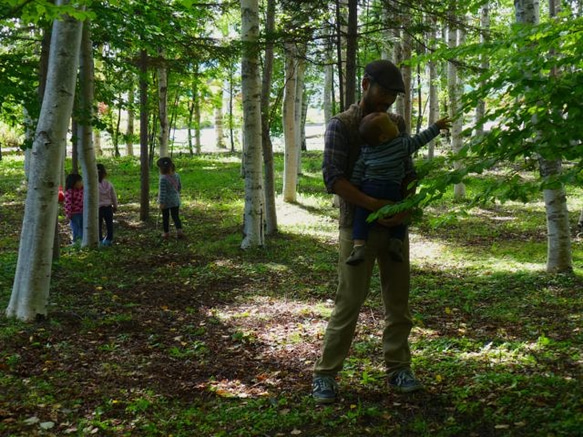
352	194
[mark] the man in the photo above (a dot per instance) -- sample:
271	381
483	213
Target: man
381	84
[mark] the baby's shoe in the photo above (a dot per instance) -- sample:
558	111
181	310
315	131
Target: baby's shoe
357	255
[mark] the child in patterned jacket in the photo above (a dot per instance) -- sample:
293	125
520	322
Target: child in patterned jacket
169	197
74	205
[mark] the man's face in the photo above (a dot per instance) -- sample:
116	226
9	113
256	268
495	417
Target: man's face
376	98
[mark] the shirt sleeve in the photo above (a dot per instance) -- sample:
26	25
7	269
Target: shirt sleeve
415	142
162	191
358	172
113	196
335	160
410	173
67	203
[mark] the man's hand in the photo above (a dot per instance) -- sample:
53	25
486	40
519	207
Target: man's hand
395	220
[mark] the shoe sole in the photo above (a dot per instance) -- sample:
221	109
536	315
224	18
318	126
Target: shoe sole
324	401
405	390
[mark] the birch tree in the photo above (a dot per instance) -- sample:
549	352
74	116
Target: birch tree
454	94
164	133
86	151
484	62
557	215
290	172
251	90
270	209
34	266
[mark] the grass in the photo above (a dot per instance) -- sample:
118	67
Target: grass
200	338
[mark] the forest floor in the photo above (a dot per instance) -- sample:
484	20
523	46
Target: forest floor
200	338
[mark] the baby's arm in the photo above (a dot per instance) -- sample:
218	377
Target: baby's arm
415	142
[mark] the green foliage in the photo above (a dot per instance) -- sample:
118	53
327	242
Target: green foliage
199	337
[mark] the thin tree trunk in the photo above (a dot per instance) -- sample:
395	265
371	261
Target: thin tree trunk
453	85
433	93
131	118
290	172
269	177
144	161
163	135
85	141
351	50
251	90
34	266
484	64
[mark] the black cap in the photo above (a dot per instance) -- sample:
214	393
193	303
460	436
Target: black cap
386	74
164	162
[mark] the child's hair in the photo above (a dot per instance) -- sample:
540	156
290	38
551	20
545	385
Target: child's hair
101	172
71	180
165	165
376	128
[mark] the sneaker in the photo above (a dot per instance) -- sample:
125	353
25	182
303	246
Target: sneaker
396	250
180	235
324	389
356	256
403	381
106	242
165	236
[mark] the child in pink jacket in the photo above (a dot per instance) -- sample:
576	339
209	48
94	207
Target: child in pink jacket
74	205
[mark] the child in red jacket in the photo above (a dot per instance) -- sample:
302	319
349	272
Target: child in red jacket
74	205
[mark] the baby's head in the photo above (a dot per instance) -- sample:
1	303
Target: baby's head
377	128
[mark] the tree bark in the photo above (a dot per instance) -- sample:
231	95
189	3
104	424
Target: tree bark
86	151
454	92
269	177
144	155
251	91
164	133
131	119
33	269
290	172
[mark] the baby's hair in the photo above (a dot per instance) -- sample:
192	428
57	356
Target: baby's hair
165	165
71	180
371	127
101	172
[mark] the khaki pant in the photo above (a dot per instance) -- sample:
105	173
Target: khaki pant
353	288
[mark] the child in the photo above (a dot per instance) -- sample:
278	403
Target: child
107	205
379	172
169	197
74	205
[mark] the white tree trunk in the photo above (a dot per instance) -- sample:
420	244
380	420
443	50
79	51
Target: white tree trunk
251	90
266	84
299	111
33	270
484	63
406	71
453	88
219	131
290	172
434	113
164	133
86	152
131	119
558	231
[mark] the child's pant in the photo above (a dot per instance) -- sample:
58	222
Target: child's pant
380	190
106	214
77	226
166	212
